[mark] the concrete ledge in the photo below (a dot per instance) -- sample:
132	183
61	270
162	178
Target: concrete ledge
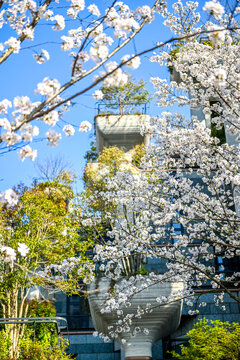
138	358
161	322
120	130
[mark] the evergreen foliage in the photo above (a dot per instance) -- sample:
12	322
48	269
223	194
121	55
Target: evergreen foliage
211	340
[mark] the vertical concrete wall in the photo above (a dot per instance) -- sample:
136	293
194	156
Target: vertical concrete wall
87	347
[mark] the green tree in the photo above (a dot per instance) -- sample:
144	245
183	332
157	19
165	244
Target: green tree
38	231
110	161
41	341
214	340
125	99
91	155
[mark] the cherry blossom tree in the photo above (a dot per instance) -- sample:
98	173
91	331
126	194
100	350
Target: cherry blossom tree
91	38
181	207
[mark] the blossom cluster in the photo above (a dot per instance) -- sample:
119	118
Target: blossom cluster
10	255
180	210
85	270
95	41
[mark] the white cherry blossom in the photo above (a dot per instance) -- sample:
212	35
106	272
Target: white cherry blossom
93	9
214	8
29	33
217	34
4	105
5	124
220	77
10	197
133	63
76	6
60	22
53	137
188	177
68	130
42	57
98	94
68	43
97	41
23	249
27	151
11	138
22	104
48	87
9	254
13	43
51	118
85	126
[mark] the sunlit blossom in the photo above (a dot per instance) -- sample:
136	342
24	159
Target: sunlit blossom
94	10
48	87
10	197
133	63
42	57
68	130
4	105
98	94
9	253
27	151
60	22
219	77
53	137
85	126
23	249
5	124
13	43
214	8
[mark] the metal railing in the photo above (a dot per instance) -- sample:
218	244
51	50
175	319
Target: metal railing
114	109
36	320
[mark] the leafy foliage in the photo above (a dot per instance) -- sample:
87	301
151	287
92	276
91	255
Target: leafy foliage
138	153
91	155
126	99
40	341
212	341
32	350
41	331
112	156
39	308
110	160
96	174
43	222
5	344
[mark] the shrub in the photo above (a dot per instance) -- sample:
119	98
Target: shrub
39	350
214	340
5	343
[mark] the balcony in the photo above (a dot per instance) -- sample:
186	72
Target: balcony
123	131
160	322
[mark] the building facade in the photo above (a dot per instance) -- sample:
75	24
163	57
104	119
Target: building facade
125	132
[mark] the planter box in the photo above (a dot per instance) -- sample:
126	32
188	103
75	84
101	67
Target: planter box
120	130
161	322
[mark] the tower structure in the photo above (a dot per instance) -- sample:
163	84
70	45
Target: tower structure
124	131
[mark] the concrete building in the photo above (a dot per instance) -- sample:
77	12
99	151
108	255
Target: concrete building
125	131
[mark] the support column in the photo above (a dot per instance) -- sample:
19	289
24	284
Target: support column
161	322
138	358
138	349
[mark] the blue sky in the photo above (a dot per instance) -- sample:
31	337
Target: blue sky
20	75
